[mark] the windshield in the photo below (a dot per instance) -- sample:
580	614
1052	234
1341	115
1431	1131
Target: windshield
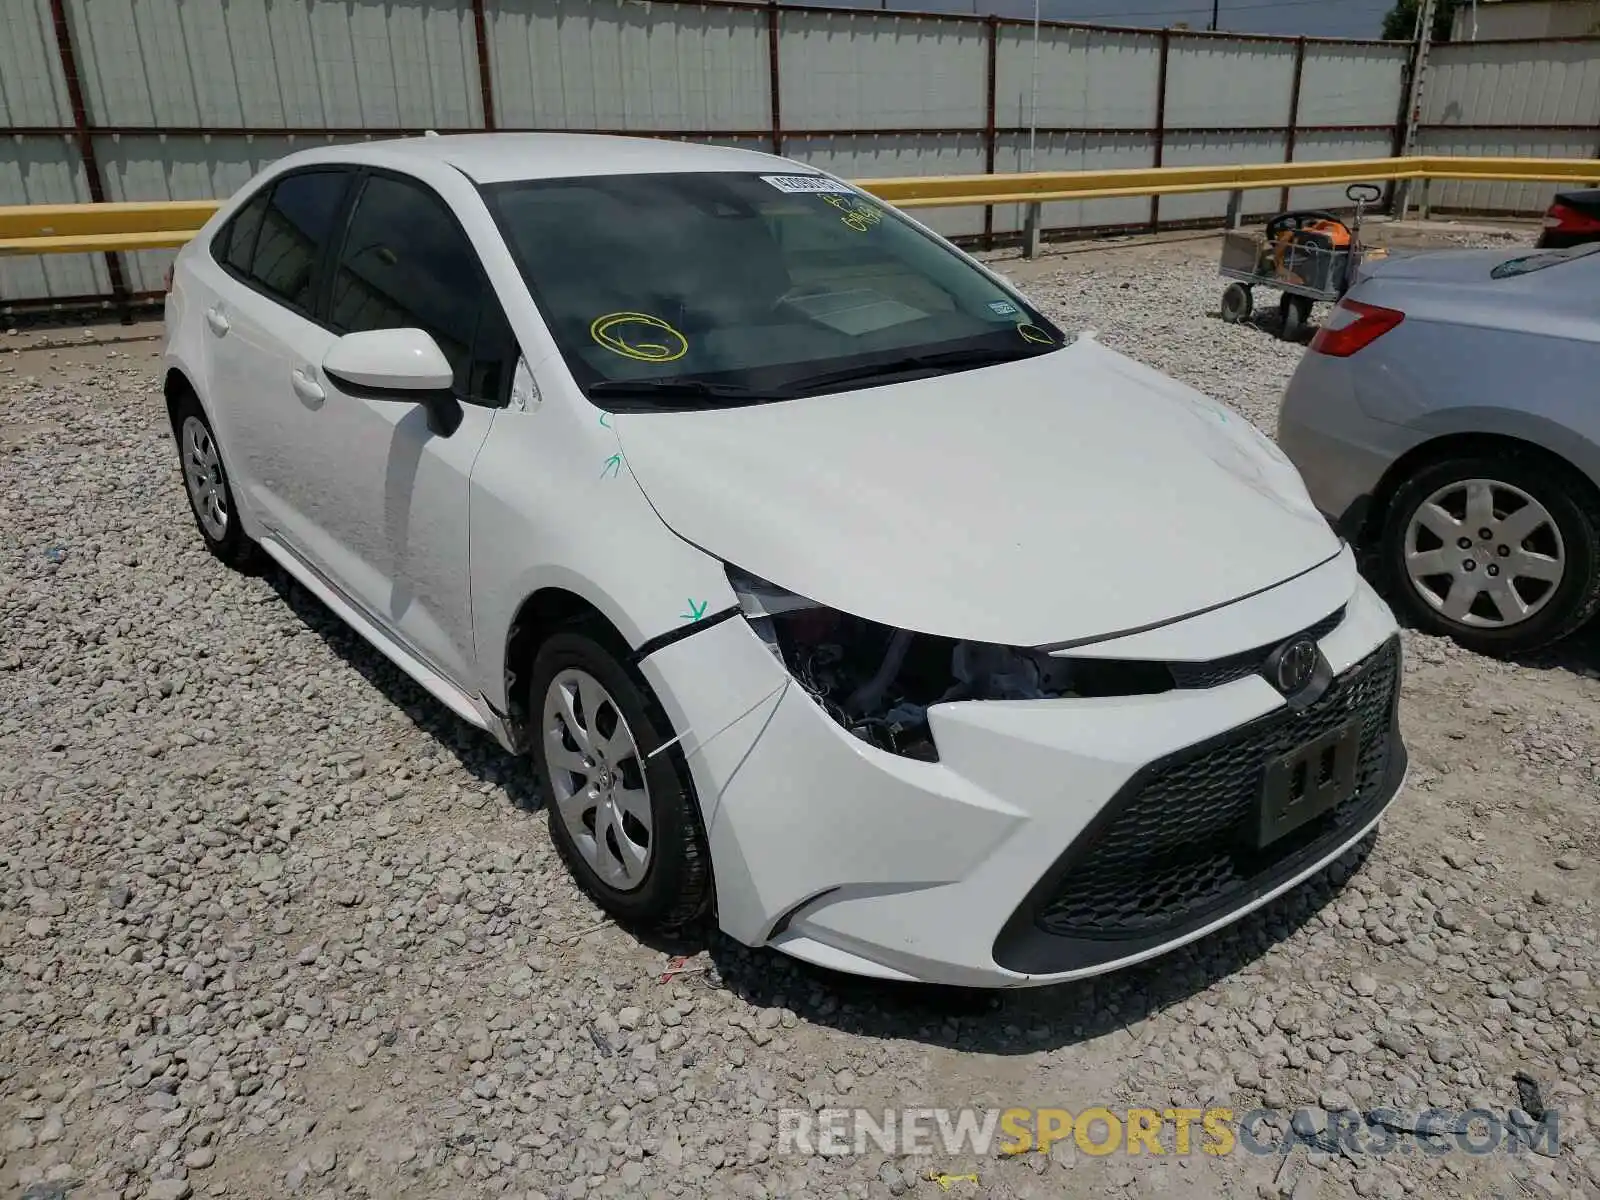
1513	267
726	288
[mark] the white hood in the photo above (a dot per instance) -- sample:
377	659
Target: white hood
1071	496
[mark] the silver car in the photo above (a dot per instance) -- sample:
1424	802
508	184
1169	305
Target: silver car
1447	420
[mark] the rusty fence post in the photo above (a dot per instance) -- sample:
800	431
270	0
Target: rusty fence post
85	138
480	32
990	137
1294	114
774	76
1161	123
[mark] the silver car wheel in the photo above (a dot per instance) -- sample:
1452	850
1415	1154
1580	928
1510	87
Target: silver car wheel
1484	554
597	776
202	472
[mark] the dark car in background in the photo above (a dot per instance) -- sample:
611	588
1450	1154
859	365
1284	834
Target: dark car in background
1572	219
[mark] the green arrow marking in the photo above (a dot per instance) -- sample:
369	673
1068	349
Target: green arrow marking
696	611
612	467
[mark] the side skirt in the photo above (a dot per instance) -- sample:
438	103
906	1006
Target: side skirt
471	709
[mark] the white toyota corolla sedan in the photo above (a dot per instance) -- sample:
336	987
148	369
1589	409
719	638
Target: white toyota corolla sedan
832	590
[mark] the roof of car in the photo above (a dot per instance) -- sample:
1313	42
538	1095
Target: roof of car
501	157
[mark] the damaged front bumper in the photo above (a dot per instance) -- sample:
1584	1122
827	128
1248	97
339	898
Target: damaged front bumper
1015	858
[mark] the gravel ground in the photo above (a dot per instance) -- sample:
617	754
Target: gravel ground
274	922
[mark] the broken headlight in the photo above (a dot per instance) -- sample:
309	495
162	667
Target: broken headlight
877	681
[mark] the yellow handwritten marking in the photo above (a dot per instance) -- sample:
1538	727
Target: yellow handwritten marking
944	1181
859	215
1032	333
622	333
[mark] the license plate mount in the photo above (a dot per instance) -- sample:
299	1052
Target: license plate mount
1306	783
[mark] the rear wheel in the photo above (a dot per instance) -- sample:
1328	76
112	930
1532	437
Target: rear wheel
1501	553
205	480
1237	303
1294	314
625	819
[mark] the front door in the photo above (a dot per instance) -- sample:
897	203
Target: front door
389	517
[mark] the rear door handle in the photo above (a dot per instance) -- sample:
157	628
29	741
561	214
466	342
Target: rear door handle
218	322
306	387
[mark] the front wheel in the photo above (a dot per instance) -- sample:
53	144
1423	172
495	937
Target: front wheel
1500	553
625	819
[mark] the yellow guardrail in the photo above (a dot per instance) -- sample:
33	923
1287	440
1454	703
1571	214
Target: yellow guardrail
89	228
79	228
937	191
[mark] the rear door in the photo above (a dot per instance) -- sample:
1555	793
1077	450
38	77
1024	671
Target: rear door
262	332
388	520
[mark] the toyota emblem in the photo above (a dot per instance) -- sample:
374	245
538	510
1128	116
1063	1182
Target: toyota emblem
1296	665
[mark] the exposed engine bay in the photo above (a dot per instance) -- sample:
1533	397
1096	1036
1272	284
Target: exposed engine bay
879	682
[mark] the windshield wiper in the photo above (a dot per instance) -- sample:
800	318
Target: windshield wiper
674	390
939	360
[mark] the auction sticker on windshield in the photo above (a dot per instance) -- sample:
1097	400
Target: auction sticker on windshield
807	183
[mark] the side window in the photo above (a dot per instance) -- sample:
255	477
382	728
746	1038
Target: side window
494	357
237	242
295	226
406	264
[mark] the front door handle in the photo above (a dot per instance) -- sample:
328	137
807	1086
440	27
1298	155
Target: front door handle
217	321
306	387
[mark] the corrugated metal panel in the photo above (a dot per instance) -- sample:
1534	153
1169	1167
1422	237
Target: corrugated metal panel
1097	152
1352	85
1086	79
626	64
888	156
762	145
39	170
602	64
1553	83
1540	83
1220	82
1198	149
869	71
1333	147
1503	197
362	63
31	87
1551	18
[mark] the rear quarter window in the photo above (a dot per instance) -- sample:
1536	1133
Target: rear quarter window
237	241
275	242
294	231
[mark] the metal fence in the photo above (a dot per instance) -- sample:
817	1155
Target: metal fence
186	99
1532	99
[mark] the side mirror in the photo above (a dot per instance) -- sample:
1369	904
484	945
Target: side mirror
396	364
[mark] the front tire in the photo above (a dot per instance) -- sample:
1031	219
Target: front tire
1500	552
205	482
626	821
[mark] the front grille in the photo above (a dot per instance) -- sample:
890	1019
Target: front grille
1177	849
1247	662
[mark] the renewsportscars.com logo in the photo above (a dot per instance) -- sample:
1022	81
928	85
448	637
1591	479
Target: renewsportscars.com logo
1098	1131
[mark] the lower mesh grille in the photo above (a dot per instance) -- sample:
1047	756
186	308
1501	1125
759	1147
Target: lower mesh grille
1177	847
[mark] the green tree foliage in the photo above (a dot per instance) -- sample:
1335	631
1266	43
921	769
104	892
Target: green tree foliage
1401	21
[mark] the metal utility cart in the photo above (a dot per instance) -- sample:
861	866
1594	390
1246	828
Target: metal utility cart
1307	255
